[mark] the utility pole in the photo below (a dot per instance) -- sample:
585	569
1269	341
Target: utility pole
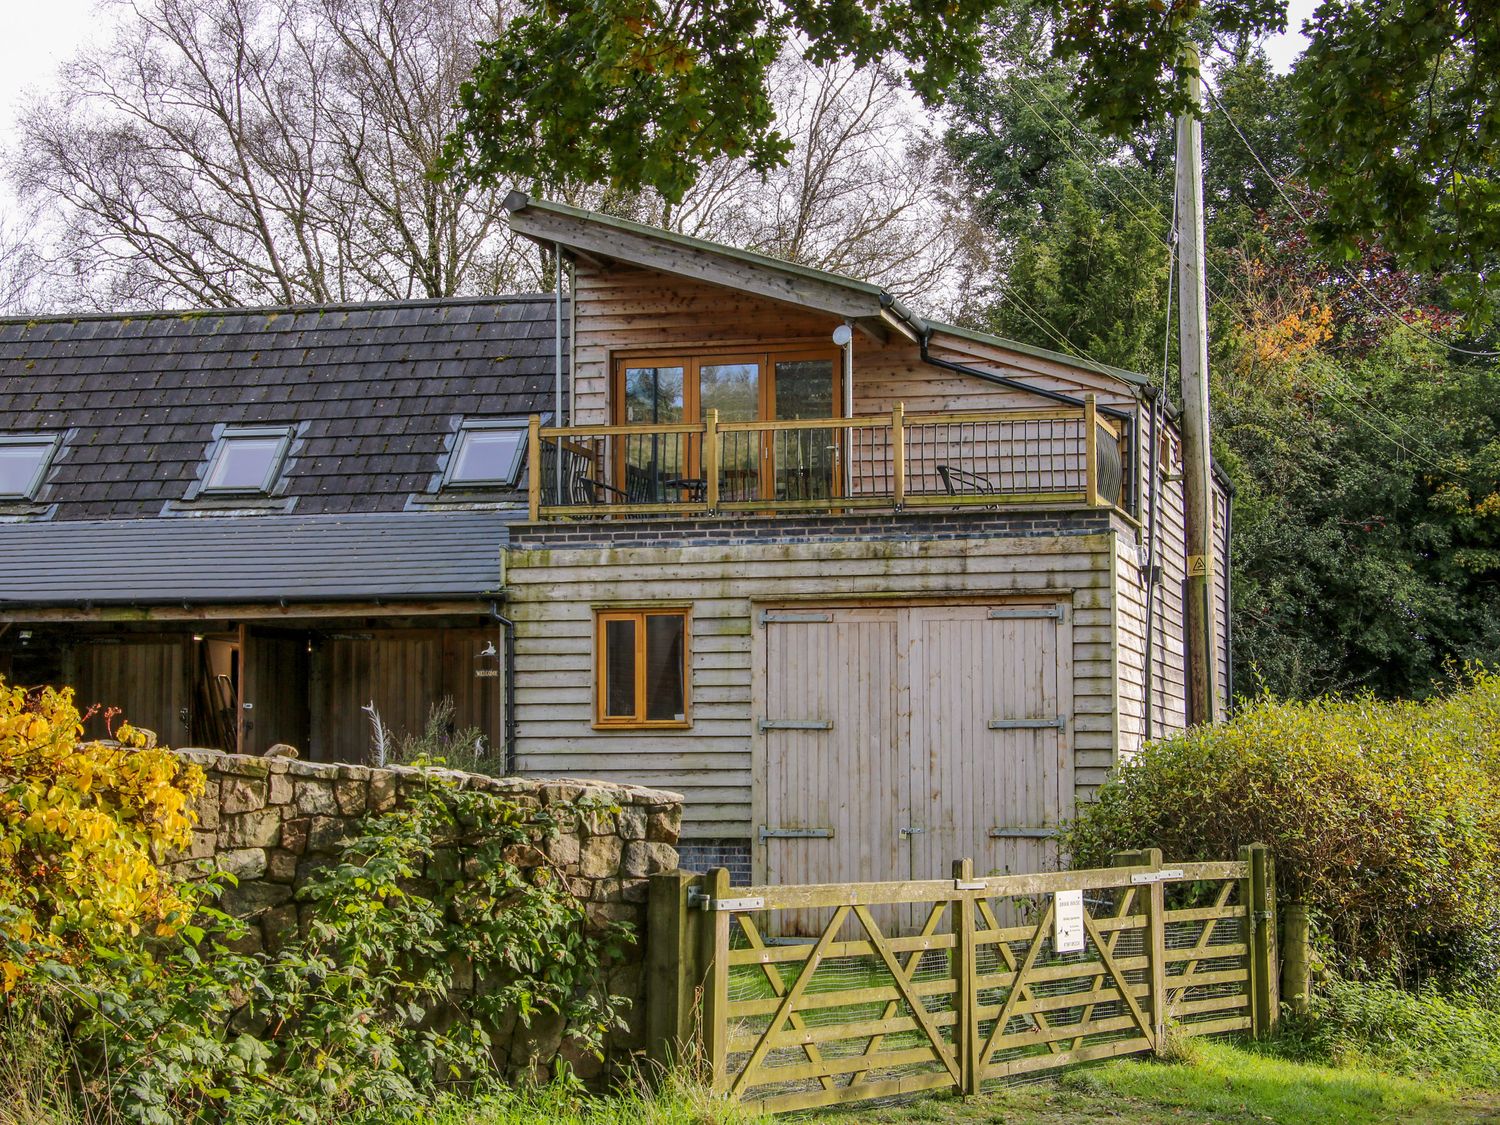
1202	624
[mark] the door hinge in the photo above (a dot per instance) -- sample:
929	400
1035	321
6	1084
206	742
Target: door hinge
795	833
772	617
1029	724
1027	612
1005	832
794	724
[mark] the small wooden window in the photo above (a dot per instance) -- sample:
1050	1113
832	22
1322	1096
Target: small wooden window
641	668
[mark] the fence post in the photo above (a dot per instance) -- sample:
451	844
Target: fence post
710	460
1156	938
1090	451
898	454
1259	890
672	972
714	951
966	1037
1296	957
534	467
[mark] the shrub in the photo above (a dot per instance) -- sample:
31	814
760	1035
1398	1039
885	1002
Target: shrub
81	824
388	1001
1384	818
1377	1024
440	923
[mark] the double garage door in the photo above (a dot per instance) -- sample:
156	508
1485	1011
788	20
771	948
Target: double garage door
894	740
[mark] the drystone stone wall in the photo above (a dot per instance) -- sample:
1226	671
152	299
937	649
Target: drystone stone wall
271	821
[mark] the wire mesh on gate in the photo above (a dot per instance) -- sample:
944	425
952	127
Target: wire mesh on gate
874	999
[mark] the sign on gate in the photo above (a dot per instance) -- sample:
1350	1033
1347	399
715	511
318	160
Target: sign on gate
1067	922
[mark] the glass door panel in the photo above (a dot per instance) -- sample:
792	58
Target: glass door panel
806	461
652	395
733	389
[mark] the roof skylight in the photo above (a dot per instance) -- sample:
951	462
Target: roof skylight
487	453
24	459
247	460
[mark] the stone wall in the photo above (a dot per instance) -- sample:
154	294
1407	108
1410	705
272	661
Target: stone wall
271	821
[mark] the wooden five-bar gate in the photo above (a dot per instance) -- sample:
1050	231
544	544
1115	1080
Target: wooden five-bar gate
948	984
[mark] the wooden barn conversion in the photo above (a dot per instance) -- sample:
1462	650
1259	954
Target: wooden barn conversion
873	592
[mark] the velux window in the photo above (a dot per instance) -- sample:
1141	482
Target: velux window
641	668
487	454
247	459
23	463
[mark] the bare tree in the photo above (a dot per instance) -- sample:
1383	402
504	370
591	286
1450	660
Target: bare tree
242	152
867	191
224	152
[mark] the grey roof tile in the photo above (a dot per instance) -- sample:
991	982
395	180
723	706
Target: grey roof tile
375	389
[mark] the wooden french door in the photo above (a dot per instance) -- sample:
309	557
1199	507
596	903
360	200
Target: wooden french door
742	387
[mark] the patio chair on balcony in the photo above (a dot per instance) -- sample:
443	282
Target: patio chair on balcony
960	481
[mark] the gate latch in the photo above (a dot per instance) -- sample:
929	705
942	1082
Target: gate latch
908	832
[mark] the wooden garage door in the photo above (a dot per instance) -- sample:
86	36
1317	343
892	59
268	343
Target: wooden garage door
896	740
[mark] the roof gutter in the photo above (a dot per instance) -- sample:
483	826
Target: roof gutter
924	332
11	605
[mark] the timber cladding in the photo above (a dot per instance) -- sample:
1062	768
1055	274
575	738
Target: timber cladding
553	594
621	311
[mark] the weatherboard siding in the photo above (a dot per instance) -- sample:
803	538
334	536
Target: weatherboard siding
624	310
552	595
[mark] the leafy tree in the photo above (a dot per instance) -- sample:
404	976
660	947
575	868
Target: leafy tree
1401	117
1367	524
637	95
1097	277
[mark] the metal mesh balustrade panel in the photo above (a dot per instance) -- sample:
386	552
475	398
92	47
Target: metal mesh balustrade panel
996	457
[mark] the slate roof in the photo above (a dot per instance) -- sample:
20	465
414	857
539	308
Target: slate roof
376	390
395	555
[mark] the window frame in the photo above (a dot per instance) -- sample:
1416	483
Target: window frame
639	614
467	426
227	436
51	443
692	359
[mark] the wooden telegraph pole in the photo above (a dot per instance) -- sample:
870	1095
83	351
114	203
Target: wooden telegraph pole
1192	313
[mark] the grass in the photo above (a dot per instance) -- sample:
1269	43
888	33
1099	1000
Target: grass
1218	1083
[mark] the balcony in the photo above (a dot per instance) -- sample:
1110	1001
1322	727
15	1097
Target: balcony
1070	456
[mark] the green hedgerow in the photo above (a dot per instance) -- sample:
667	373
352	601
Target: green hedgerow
1384	818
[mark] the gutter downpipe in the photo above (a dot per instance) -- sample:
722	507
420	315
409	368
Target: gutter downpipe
557	380
1228	601
510	687
1153	396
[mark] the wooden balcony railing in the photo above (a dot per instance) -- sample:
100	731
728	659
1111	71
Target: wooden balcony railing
1070	455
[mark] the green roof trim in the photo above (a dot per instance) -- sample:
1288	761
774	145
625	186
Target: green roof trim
518	201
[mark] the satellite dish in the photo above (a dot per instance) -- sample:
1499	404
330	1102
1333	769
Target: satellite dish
842	335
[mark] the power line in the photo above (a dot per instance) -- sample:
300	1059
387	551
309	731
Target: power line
1387	309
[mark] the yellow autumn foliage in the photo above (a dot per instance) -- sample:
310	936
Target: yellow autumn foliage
81	825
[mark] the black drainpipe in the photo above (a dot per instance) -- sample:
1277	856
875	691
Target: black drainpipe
1228	600
509	673
1151	475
